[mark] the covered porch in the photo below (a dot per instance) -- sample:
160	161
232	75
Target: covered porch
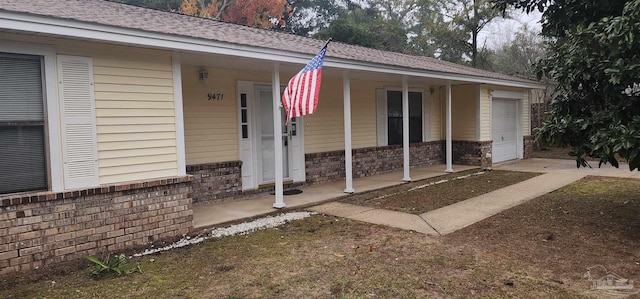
209	214
368	122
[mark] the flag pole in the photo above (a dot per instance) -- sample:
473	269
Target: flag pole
327	42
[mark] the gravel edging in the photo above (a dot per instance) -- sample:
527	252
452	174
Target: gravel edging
233	230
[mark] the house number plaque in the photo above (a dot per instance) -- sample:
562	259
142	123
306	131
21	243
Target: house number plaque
215	96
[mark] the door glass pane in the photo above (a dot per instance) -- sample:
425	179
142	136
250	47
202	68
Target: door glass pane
243	100
244	115
245	131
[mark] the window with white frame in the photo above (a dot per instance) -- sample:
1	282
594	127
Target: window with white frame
390	129
23	164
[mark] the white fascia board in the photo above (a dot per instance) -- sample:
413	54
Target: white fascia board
386	69
105	33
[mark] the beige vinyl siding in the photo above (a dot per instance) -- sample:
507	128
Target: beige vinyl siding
526	114
135	114
485	113
363	114
211	127
135	117
324	130
463	112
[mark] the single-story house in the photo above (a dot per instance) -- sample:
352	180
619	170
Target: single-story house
115	118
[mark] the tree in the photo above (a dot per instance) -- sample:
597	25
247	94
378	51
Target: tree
310	16
594	55
519	56
366	27
450	28
255	13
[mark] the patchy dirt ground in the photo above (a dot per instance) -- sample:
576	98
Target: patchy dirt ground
536	250
553	153
432	197
563	153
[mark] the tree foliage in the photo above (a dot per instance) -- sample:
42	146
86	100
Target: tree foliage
519	56
255	13
450	29
445	29
595	58
366	27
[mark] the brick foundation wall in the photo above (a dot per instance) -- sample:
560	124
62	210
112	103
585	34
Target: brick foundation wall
216	180
44	228
471	153
329	166
528	147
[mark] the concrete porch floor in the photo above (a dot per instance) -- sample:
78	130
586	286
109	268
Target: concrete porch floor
207	214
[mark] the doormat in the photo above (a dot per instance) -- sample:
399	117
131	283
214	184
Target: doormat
289	192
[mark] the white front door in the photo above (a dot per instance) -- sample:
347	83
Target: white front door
257	148
504	129
266	155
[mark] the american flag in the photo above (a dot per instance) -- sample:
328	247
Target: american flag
301	95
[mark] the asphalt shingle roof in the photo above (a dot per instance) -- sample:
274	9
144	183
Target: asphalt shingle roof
133	17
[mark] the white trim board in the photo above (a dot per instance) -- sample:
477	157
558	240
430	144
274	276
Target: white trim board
179	113
98	32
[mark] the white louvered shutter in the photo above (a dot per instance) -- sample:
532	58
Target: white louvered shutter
381	110
78	117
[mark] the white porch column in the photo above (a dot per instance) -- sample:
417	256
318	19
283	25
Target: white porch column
277	136
449	153
348	164
177	96
405	130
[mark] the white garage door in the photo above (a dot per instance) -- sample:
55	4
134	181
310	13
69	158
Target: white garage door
504	129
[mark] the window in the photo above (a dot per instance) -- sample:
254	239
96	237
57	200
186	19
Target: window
394	117
22	125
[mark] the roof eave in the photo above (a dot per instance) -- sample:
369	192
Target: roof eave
98	32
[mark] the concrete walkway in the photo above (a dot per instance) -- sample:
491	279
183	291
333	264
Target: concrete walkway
321	198
556	174
207	214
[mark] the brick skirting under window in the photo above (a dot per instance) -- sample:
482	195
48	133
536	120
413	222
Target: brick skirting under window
329	166
45	228
223	180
